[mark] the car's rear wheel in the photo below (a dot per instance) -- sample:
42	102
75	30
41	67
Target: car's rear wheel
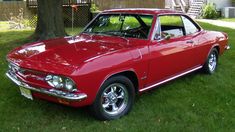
212	61
115	99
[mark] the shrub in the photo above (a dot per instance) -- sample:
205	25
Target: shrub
19	22
209	11
31	22
94	7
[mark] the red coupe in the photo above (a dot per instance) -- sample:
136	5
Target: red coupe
121	53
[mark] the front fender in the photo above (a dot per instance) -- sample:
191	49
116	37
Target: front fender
92	74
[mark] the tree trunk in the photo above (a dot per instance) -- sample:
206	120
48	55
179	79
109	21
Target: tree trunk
50	22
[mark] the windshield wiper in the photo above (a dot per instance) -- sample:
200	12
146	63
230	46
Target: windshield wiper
99	33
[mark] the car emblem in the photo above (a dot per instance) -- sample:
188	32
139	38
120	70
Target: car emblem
35	77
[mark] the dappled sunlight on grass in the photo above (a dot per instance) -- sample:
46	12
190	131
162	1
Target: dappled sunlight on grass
4	25
5	28
9	36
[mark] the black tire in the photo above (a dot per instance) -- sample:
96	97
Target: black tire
211	62
104	108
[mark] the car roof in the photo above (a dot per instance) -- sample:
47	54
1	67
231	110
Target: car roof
153	11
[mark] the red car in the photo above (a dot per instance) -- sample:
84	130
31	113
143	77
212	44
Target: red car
121	53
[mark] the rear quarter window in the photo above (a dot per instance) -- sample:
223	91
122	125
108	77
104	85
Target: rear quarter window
189	26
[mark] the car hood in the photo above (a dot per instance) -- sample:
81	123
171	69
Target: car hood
64	54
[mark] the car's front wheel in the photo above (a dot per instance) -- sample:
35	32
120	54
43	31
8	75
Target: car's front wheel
115	98
212	61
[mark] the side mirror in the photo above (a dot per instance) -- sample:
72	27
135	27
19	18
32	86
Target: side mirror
162	37
167	37
157	37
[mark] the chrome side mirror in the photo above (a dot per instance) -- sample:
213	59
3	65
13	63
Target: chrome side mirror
157	37
167	37
161	37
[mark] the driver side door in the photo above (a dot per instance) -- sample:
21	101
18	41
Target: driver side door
171	51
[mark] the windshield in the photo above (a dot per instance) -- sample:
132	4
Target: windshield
123	25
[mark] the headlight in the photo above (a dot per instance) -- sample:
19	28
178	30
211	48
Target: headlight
69	84
57	82
61	82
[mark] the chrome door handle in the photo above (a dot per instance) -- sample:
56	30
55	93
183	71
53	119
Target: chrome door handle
190	42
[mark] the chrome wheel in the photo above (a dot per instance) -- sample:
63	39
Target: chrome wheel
212	61
114	99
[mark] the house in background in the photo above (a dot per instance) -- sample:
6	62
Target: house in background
11	0
112	4
226	7
191	7
194	7
220	4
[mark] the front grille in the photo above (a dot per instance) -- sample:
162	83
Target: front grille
14	70
31	77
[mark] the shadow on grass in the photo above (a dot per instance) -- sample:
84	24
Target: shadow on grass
71	112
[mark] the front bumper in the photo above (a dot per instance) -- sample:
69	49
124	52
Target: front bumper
50	92
227	47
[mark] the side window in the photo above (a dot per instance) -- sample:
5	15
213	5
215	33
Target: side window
130	22
171	25
190	28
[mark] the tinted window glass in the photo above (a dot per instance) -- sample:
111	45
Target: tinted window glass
130	23
124	25
171	25
190	28
107	23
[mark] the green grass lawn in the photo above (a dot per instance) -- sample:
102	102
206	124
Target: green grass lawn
4	25
196	102
228	19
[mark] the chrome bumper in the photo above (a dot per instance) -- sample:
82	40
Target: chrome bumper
51	92
227	47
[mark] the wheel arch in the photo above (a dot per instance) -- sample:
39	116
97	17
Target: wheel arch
130	74
217	48
206	66
214	46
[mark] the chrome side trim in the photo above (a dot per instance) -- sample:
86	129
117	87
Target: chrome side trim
51	92
169	79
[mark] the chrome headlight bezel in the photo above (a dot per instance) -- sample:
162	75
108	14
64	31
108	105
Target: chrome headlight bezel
61	82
